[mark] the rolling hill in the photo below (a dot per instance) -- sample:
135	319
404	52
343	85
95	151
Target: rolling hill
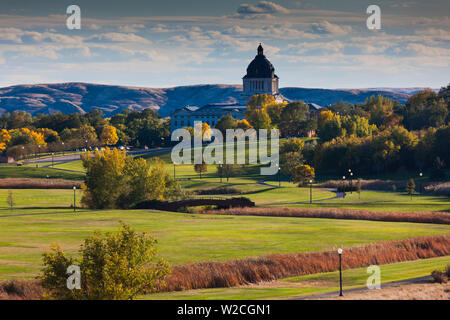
84	97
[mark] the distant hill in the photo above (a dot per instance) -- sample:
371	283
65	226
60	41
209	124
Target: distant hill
84	97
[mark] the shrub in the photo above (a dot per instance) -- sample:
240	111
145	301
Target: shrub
21	290
218	190
113	266
439	276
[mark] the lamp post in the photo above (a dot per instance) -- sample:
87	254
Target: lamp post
279	181
52	159
220	171
343	184
420	183
310	191
174	174
340	272
62	143
351	182
74	199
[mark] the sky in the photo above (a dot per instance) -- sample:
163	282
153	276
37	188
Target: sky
148	43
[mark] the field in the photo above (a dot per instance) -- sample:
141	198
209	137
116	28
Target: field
44	216
26	232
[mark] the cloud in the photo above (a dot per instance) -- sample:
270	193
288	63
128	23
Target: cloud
325	27
117	37
130	28
262	7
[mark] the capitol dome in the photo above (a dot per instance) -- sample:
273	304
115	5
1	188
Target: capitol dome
260	67
260	77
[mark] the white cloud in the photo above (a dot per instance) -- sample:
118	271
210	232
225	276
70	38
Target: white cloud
117	37
325	27
131	28
262	7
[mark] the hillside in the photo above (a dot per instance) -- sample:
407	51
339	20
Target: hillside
84	97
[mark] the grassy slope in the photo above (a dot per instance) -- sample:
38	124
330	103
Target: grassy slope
188	237
312	284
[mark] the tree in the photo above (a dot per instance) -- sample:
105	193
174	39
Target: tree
226	170
410	187
292	145
5	137
293	118
200	168
115	180
426	109
302	174
358	188
109	135
115	266
226	122
10	199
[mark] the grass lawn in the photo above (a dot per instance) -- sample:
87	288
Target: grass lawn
33	172
311	284
386	201
188	237
75	165
48	199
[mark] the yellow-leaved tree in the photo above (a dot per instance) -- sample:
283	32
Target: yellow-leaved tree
109	135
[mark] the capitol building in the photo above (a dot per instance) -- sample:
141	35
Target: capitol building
259	79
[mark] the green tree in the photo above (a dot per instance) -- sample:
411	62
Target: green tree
410	187
10	200
115	266
226	122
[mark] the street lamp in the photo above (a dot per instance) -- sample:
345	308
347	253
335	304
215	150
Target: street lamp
74	199
340	271
310	191
220	171
279	181
351	182
62	143
420	183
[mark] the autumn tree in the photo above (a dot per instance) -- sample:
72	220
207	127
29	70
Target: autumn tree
302	174
113	266
109	135
115	180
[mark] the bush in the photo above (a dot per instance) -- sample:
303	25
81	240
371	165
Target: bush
113	266
439	276
218	190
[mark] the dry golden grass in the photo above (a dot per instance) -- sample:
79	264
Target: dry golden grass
276	266
35	183
336	213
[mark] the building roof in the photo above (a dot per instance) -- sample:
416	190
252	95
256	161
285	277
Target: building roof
260	67
314	106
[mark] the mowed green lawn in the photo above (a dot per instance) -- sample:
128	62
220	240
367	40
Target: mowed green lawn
309	285
188	237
